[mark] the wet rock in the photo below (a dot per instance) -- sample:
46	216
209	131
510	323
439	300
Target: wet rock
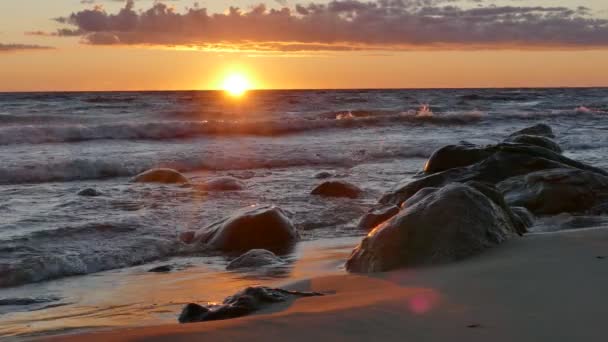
263	227
525	217
507	161
556	191
166	176
323	175
89	192
536	141
453	156
543	130
187	237
377	215
337	189
161	269
450	223
255	258
241	304
222	184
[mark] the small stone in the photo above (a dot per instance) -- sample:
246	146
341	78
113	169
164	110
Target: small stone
161	269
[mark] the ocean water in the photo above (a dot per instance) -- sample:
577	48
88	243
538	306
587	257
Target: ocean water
73	262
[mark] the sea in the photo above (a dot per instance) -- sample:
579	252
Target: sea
70	263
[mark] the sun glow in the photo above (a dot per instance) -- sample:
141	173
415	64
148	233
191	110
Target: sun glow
236	85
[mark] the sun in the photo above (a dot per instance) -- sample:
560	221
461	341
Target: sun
236	84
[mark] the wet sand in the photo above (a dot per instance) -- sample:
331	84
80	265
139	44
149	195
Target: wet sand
540	287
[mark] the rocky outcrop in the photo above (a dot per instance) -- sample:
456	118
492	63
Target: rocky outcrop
542	130
536	140
241	304
556	191
165	176
377	215
337	189
255	258
449	223
506	161
263	227
453	156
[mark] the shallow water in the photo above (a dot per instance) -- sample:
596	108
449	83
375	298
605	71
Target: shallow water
275	142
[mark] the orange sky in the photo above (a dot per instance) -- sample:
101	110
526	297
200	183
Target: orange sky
72	65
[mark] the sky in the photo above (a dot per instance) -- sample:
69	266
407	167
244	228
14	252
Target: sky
302	44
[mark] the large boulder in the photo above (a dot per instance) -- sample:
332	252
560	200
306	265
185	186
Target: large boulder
536	140
377	215
556	191
506	161
452	156
543	130
337	189
448	224
166	176
255	258
264	227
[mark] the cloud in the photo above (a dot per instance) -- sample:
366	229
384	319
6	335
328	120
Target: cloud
21	47
344	25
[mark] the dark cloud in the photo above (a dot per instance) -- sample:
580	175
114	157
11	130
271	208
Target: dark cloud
344	25
21	47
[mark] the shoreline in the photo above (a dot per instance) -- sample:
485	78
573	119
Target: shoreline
544	286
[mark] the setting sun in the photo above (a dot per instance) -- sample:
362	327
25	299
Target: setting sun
236	84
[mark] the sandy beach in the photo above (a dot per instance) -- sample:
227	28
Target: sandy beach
542	287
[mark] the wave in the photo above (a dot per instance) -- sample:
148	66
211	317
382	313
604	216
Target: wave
69	252
165	130
95	169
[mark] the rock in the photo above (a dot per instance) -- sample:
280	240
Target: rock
323	175
377	215
241	304
508	160
187	237
540	130
255	258
166	176
452	156
525	217
265	227
89	192
337	189
450	223
222	184
521	226
161	269
556	191
536	140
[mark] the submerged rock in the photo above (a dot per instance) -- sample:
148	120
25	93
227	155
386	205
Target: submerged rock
524	216
377	215
222	184
539	129
448	224
241	304
166	176
556	191
337	189
266	227
323	175
161	269
255	258
89	192
536	140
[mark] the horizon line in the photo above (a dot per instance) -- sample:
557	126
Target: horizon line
297	89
